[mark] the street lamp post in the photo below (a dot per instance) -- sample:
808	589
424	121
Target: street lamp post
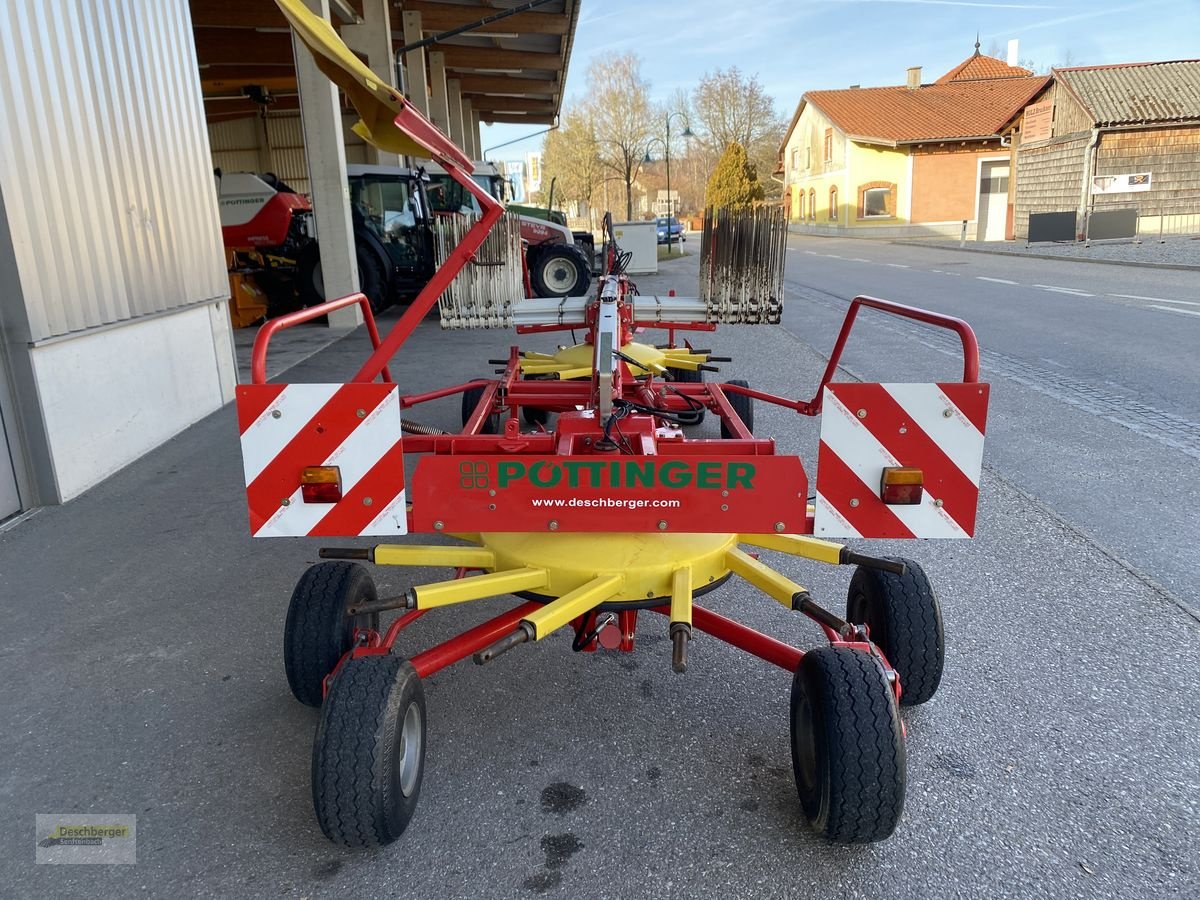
687	132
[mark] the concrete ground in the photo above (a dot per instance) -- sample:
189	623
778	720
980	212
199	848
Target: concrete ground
140	672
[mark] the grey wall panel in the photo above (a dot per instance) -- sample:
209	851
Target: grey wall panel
104	161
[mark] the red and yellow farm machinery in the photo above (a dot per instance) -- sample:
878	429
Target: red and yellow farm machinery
574	486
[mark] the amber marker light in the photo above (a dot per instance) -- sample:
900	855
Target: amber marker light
321	484
901	486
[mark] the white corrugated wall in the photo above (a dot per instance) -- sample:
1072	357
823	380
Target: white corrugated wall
236	146
104	162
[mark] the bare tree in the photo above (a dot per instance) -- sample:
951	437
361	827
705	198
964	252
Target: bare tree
732	108
620	109
570	157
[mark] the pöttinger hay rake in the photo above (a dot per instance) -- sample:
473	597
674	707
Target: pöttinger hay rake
574	486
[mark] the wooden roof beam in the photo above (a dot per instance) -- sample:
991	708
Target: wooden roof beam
438	17
504	84
483	103
458	57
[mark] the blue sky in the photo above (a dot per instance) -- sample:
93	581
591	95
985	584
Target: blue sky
794	46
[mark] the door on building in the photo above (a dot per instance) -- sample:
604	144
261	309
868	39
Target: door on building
10	501
993	201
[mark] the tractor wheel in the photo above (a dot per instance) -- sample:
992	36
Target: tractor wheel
743	406
688	376
847	746
318	632
369	753
904	618
558	270
310	284
470	400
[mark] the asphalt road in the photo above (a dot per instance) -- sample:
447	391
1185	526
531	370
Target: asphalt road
140	672
1095	372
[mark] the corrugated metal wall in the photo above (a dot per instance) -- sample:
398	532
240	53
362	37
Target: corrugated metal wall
236	147
104	161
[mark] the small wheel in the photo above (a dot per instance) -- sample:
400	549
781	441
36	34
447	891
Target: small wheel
904	618
847	746
470	400
688	376
534	416
743	406
318	632
369	752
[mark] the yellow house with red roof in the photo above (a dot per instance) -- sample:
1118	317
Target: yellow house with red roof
908	160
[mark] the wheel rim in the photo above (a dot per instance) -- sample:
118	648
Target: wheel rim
408	757
559	275
806	748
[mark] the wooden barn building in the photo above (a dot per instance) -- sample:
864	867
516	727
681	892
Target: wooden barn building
1101	138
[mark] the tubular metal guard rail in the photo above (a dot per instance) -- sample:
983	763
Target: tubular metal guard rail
258	357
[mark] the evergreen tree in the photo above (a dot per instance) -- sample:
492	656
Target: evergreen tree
734	182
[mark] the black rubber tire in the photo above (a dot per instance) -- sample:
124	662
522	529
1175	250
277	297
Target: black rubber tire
359	752
848	751
470	400
534	416
372	280
742	405
905	621
558	261
687	376
317	632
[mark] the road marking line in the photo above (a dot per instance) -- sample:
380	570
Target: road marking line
832	255
996	280
1157	299
1063	290
897	265
857	259
811	252
1186	312
1140	297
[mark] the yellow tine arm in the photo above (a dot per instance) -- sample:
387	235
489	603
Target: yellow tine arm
681	596
574	603
681	617
462	590
797	545
763	577
416	555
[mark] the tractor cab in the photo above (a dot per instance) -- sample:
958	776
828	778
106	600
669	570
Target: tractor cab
391	213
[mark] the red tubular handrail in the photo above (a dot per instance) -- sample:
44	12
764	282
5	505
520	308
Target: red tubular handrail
258	356
950	323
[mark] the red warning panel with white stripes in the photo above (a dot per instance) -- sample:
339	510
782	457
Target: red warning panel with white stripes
353	427
865	428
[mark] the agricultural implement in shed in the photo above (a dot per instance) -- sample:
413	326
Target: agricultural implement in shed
573	485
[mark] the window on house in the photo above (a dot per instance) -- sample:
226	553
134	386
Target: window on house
876	202
802	206
812	204
795	158
833	205
808	157
828	145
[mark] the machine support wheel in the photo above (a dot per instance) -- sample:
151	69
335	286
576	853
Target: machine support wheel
742	405
904	618
689	376
318	632
369	752
847	746
470	400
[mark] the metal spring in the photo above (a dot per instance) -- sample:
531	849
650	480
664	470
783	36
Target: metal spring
741	265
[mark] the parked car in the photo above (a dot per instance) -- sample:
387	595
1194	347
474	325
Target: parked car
669	229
